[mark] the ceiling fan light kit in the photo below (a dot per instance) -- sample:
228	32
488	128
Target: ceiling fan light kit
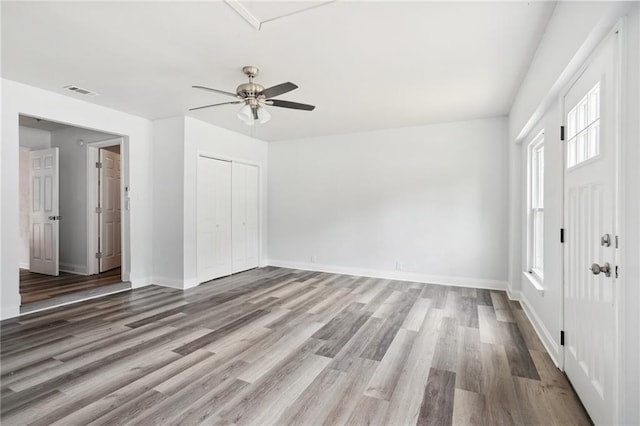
254	97
246	115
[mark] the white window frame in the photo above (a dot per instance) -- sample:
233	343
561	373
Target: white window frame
587	131
535	207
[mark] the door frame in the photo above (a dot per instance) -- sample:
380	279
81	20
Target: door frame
209	154
617	31
93	149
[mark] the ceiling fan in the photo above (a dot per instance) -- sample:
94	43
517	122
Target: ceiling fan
255	97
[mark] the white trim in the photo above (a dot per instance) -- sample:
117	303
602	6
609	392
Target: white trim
92	197
533	148
513	294
545	335
71	302
138	283
92	202
244	13
9	312
168	282
193	282
23	265
620	116
394	275
532	279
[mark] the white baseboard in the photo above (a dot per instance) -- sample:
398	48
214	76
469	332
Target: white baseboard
7	312
73	268
552	347
193	282
140	282
513	294
24	265
168	282
394	275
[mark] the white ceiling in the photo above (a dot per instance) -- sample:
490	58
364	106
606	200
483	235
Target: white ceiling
365	65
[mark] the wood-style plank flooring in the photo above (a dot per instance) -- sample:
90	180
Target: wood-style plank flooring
280	346
36	287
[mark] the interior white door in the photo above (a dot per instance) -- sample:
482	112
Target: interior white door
110	215
44	216
590	202
245	216
213	218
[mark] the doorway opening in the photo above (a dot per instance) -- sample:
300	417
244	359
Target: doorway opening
71	218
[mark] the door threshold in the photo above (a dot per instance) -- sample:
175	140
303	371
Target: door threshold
76	297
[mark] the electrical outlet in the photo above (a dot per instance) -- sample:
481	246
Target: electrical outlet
398	265
314	259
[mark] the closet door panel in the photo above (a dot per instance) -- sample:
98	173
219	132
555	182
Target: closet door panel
214	218
245	217
252	217
238	209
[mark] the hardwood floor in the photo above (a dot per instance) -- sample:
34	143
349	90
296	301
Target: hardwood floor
279	346
36	287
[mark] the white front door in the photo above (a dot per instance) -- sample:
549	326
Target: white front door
589	216
110	216
213	218
44	217
245	216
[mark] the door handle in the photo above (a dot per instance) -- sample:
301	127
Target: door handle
606	269
55	217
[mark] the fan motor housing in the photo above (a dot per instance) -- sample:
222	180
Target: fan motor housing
249	90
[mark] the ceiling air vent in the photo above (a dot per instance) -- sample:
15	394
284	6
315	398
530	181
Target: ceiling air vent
81	91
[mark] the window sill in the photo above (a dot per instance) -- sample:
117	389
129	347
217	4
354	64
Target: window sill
537	284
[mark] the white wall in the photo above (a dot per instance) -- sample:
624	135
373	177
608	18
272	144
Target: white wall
433	198
34	138
18	99
73	194
573	32
201	137
177	144
168	198
545	307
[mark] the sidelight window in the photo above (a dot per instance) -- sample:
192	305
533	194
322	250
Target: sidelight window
535	160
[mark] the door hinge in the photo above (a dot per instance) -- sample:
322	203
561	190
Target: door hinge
98	209
616	241
562	235
561	133
98	165
98	255
561	337
617	275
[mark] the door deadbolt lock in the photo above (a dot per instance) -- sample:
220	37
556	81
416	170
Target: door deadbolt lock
605	240
606	269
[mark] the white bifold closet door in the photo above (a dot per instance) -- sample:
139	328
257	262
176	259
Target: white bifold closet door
213	218
244	209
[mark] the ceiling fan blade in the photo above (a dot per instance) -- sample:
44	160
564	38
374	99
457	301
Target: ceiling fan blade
212	105
288	104
216	90
255	113
279	89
